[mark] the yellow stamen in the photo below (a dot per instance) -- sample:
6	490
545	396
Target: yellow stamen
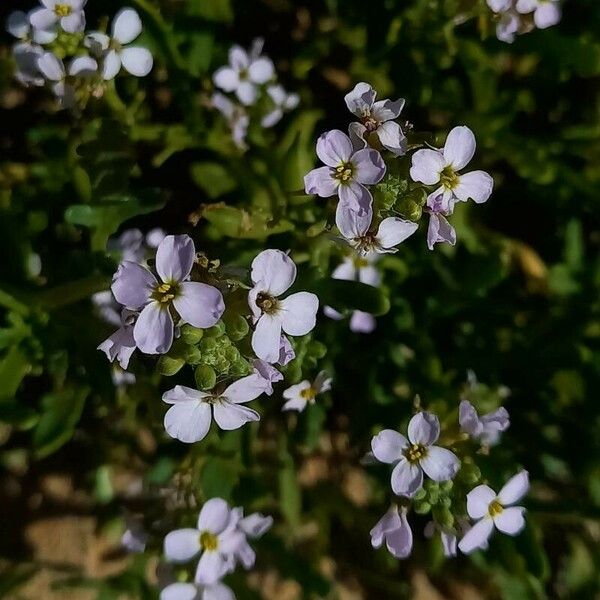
209	541
415	452
343	172
62	10
308	394
449	178
495	508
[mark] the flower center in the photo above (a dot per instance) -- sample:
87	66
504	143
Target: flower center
364	245
370	123
495	508
343	172
449	178
62	10
243	74
267	303
308	394
360	262
208	541
165	292
415	452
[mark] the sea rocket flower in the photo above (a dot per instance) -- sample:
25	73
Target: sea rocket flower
439	229
346	173
53	70
135	287
394	530
18	25
447	537
355	228
245	72
213	538
190	591
69	13
274	272
433	167
486	428
189	419
305	392
545	12
282	102
376	119
495	511
417	454
236	118
269	374
126	27
121	344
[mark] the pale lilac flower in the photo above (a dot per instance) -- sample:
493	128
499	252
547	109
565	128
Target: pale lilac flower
245	72
214	539
376	119
486	428
121	344
305	392
356	229
154	237
546	13
394	530
282	102
447	537
236	118
414	455
69	13
26	57
135	537
439	229
360	322
135	287
441	167
493	510
253	526
269	374
273	273
191	415
115	51
190	591
346	173
500	5
18	25
286	351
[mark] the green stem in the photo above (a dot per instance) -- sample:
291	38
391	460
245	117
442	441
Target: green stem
72	292
11	303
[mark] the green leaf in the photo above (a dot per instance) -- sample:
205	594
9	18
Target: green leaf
13	368
352	295
219	477
213	178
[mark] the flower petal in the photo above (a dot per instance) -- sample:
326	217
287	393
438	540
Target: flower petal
179	591
137	61
232	416
459	147
514	489
478	501
126	26
476	185
468	419
181	393
386	110
299	313
182	545
362	322
388	445
334	147
132	285
266	338
407	478
389	522
320	182
352	224
153	331
226	78
399	542
547	15
175	257
51	67
440	464
511	520
18	24
246	92
211	568
356	197
217	591
426	166
83	66
477	537
392	137
238	58
245	389
424	428
74	22
393	231
42	18
189	421
360	99
120	346
214	516
261	70
273	271
439	230
369	167
111	65
199	304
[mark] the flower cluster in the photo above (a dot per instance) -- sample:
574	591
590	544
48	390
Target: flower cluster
220	540
521	16
56	31
251	79
431	479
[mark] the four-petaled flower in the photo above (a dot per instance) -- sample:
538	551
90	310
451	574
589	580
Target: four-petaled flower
394	530
346	173
69	13
273	273
136	288
486	428
282	102
376	120
441	167
305	392
414	455
546	13
439	229
495	511
189	419
121	344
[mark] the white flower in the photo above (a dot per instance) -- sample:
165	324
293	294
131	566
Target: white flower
376	119
273	273
305	392
447	537
189	419
126	27
417	454
19	25
69	13
282	101
26	56
394	530
190	591
53	70
486	428
355	228
493	510
215	538
236	118
433	167
253	526
545	12
245	72
269	374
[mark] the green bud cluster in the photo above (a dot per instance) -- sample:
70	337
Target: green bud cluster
66	44
436	498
